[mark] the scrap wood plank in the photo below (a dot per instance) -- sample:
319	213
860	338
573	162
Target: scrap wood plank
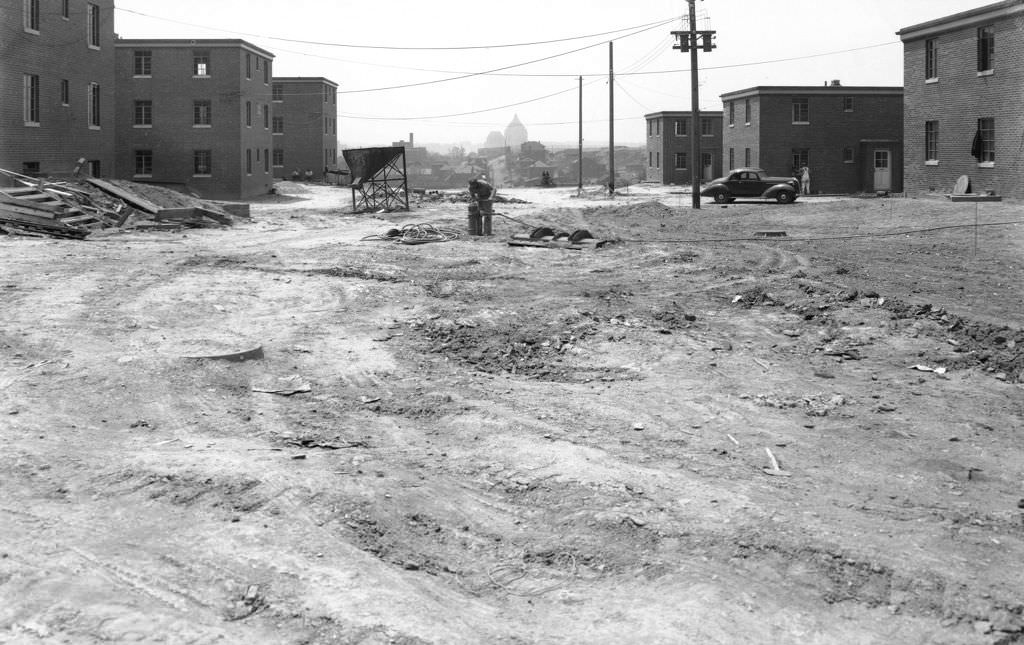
29	205
117	191
215	216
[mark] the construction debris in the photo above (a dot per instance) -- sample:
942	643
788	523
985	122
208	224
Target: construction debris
549	238
75	207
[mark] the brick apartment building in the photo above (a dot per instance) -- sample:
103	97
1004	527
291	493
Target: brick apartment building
964	84
851	138
305	126
57	73
195	113
668	146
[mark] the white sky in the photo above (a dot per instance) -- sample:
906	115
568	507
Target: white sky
750	32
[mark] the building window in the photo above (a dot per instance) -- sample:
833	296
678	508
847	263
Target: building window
732	113
65	9
143	62
746	157
202	165
986	49
143	163
248	161
327	95
732	158
248	65
707	128
65	92
266	116
278	157
931	59
682	127
32	16
266	160
801	158
650	159
200	63
984	148
31	99
680	161
30	168
657	128
746	112
143	113
93	25
931	141
94	105
657	160
847	104
801	111
248	114
277	92
202	113
278	127
847	155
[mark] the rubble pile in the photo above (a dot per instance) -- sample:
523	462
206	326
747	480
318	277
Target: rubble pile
75	207
462	196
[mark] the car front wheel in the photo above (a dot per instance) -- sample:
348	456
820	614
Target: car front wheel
784	197
721	197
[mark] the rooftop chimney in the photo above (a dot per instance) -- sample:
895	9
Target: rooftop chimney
835	83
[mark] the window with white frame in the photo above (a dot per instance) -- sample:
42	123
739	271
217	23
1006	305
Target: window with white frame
143	163
202	163
847	104
248	114
707	128
746	157
278	159
931	141
986	49
202	113
931	59
65	92
143	114
278	125
986	141
31	16
847	155
801	110
682	127
277	92
142	62
93	25
94	105
31	99
679	161
201	63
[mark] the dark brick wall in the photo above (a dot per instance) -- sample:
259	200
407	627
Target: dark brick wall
59	51
173	138
666	144
875	123
957	100
310	125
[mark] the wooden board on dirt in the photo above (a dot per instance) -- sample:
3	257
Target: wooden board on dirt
116	191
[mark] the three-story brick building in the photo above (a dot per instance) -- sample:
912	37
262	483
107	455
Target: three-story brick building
305	126
851	138
668	146
57	75
964	82
195	113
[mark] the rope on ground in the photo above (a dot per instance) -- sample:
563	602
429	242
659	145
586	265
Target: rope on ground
414	234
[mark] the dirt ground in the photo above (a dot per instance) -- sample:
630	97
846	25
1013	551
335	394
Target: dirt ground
514	445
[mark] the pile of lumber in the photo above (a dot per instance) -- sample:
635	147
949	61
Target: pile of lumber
74	208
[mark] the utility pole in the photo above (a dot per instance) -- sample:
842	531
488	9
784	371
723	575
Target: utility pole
580	189
688	43
611	119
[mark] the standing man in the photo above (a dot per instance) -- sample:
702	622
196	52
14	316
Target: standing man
805	180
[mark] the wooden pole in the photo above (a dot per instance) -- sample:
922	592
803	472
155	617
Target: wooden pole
611	119
580	159
695	131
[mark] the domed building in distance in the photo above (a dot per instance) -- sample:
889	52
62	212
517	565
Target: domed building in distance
515	134
494	140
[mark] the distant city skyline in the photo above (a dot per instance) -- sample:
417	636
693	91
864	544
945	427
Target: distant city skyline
386	92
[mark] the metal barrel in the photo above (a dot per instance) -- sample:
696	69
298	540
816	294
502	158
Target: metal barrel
474	219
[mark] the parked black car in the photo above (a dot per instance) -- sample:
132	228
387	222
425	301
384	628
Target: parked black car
752	183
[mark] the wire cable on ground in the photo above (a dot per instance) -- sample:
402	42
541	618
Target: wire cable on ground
414	234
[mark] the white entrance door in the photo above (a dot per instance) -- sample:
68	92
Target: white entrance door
883	170
706	162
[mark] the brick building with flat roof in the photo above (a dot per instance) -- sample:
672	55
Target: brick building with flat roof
964	83
195	113
57	73
851	138
305	126
668	146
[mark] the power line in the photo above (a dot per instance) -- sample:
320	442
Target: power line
499	69
393	48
